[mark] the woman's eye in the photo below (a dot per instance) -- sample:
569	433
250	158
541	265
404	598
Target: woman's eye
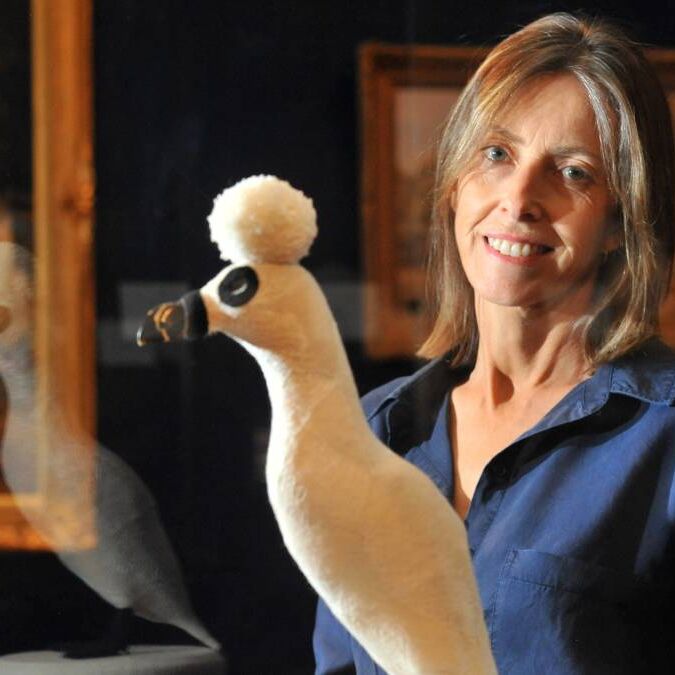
495	154
575	173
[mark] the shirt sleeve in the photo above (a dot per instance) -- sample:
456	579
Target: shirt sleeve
331	642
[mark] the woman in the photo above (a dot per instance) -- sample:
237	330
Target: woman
547	415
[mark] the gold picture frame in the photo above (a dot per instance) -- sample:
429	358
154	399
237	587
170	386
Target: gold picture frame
406	93
62	213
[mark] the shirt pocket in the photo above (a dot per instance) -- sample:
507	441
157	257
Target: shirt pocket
561	615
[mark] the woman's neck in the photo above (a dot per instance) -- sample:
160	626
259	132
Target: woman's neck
523	352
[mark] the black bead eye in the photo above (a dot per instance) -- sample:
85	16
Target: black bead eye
238	286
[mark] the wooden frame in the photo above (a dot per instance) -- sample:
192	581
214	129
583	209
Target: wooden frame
394	211
63	199
406	92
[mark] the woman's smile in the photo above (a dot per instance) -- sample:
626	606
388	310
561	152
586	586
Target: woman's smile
516	250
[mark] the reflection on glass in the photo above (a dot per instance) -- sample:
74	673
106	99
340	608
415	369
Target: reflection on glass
15	191
130	563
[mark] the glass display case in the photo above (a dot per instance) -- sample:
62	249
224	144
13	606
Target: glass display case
128	469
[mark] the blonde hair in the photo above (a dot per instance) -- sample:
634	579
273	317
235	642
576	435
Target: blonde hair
634	127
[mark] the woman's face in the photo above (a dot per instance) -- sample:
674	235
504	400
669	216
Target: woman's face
532	209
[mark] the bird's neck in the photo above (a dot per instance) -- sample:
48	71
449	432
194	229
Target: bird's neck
298	383
312	392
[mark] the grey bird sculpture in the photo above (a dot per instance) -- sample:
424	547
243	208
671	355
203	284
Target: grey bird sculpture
132	564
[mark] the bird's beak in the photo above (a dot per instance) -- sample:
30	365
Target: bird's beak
174	321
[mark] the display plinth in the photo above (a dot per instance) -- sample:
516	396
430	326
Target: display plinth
140	660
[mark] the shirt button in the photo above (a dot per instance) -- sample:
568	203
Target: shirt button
500	472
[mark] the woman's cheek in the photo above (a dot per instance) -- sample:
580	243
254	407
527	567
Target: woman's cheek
474	196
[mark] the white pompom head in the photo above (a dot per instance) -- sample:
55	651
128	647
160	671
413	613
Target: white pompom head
263	219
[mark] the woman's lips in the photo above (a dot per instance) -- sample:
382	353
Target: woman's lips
515	250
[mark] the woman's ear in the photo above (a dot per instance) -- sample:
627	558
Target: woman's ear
614	236
613	240
452	197
613	243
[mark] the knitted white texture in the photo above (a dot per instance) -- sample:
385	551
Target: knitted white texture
263	219
371	532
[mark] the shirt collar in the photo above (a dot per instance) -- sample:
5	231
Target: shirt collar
647	374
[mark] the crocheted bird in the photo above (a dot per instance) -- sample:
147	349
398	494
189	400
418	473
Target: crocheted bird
371	533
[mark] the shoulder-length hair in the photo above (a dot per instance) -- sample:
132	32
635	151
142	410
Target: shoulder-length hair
634	128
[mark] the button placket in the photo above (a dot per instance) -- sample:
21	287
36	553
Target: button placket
484	507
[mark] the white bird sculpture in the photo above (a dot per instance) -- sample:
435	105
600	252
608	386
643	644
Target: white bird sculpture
132	564
371	533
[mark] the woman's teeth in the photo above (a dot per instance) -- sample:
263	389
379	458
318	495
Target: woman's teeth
515	250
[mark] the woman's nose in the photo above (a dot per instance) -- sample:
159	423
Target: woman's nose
523	194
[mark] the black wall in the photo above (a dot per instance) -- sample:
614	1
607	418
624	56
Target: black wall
190	97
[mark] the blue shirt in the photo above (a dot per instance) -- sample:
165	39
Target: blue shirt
570	527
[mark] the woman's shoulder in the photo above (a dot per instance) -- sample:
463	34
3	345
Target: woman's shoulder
432	379
647	373
403	411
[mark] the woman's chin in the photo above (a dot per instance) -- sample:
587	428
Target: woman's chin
533	302
501	294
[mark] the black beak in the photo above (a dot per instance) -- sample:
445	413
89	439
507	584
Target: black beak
174	321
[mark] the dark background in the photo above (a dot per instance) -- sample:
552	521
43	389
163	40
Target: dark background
191	96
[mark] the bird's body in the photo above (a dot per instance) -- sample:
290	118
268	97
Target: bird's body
372	533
